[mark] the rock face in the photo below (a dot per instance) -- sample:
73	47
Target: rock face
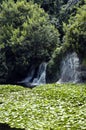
83	73
70	69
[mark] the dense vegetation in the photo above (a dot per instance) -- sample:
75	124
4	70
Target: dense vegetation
26	36
56	107
76	34
32	32
74	39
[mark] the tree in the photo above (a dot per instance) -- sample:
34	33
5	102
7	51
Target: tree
76	31
59	11
26	37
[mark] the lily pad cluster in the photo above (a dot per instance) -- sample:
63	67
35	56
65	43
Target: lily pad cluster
49	107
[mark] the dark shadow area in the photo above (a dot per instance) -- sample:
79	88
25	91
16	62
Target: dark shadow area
7	127
26	85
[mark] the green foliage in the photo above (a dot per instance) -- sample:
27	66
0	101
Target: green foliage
56	107
59	10
53	68
74	40
26	36
76	32
54	65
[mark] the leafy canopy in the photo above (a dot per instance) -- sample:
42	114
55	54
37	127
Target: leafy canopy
26	35
75	35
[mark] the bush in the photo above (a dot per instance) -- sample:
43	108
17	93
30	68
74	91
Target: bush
26	37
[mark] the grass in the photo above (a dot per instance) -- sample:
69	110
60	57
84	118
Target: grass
48	107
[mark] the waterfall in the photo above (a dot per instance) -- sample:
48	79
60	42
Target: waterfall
70	69
41	75
36	79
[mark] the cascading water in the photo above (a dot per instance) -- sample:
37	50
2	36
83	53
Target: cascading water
41	75
70	69
38	79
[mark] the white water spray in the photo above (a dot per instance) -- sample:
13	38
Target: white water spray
41	75
39	79
70	69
